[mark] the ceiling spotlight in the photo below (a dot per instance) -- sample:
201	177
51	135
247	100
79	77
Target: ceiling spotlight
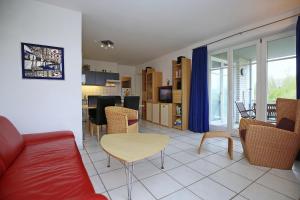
106	44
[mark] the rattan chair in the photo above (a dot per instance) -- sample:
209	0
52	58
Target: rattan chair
266	145
121	120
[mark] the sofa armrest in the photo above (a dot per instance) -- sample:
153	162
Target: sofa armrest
245	123
34	138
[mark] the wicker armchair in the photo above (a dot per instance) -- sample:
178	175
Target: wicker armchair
121	120
266	145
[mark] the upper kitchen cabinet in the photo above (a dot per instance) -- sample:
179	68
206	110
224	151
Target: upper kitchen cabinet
99	78
90	78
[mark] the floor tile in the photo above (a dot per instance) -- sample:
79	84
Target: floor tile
183	194
212	148
181	145
98	156
184	175
203	167
232	181
114	179
203	152
90	169
219	160
97	184
247	171
239	197
169	163
101	166
170	149
283	186
145	169
244	161
183	157
258	192
161	185
86	159
139	192
208	189
93	149
235	156
291	175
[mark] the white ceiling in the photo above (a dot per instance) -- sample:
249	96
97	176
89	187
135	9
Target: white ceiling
146	29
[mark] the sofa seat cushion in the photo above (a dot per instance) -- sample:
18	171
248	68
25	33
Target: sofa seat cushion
48	170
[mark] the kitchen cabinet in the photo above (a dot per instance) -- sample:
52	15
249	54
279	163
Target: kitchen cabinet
99	78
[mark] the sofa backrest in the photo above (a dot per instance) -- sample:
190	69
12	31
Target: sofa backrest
297	124
11	143
286	108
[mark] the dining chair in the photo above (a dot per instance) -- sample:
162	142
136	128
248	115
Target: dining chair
132	102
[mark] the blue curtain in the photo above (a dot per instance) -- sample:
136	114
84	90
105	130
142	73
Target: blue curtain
298	64
298	57
199	111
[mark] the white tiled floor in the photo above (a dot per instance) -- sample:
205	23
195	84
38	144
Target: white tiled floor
188	175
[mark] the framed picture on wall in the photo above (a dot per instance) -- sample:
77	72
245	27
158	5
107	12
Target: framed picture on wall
42	62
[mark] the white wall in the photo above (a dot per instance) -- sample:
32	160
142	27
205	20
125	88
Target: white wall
164	63
40	105
124	70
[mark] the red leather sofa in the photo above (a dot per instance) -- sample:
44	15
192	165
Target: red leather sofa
41	166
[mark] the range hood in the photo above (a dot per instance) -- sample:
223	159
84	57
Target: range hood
112	81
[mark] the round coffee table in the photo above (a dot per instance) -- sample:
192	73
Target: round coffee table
131	147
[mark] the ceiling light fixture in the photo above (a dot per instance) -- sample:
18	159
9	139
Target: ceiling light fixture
106	44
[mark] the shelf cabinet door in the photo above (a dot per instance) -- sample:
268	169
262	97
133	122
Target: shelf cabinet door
155	113
149	112
166	114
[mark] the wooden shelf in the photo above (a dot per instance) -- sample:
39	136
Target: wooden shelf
177	127
181	77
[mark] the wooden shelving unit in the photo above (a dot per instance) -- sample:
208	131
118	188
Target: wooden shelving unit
181	75
144	114
153	81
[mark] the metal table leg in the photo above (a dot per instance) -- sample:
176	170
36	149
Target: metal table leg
108	160
162	157
129	177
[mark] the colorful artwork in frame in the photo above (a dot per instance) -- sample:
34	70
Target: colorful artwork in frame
42	62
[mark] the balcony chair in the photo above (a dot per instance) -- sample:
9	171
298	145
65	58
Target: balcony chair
269	145
97	116
245	113
121	120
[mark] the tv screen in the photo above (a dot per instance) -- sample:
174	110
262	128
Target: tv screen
165	94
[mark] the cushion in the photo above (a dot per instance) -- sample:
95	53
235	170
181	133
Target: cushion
132	121
11	143
286	124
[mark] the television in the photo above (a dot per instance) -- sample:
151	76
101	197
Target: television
165	94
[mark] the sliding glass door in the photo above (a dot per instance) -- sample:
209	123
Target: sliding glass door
251	77
244	82
218	90
281	72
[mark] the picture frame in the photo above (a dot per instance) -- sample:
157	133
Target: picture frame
42	62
